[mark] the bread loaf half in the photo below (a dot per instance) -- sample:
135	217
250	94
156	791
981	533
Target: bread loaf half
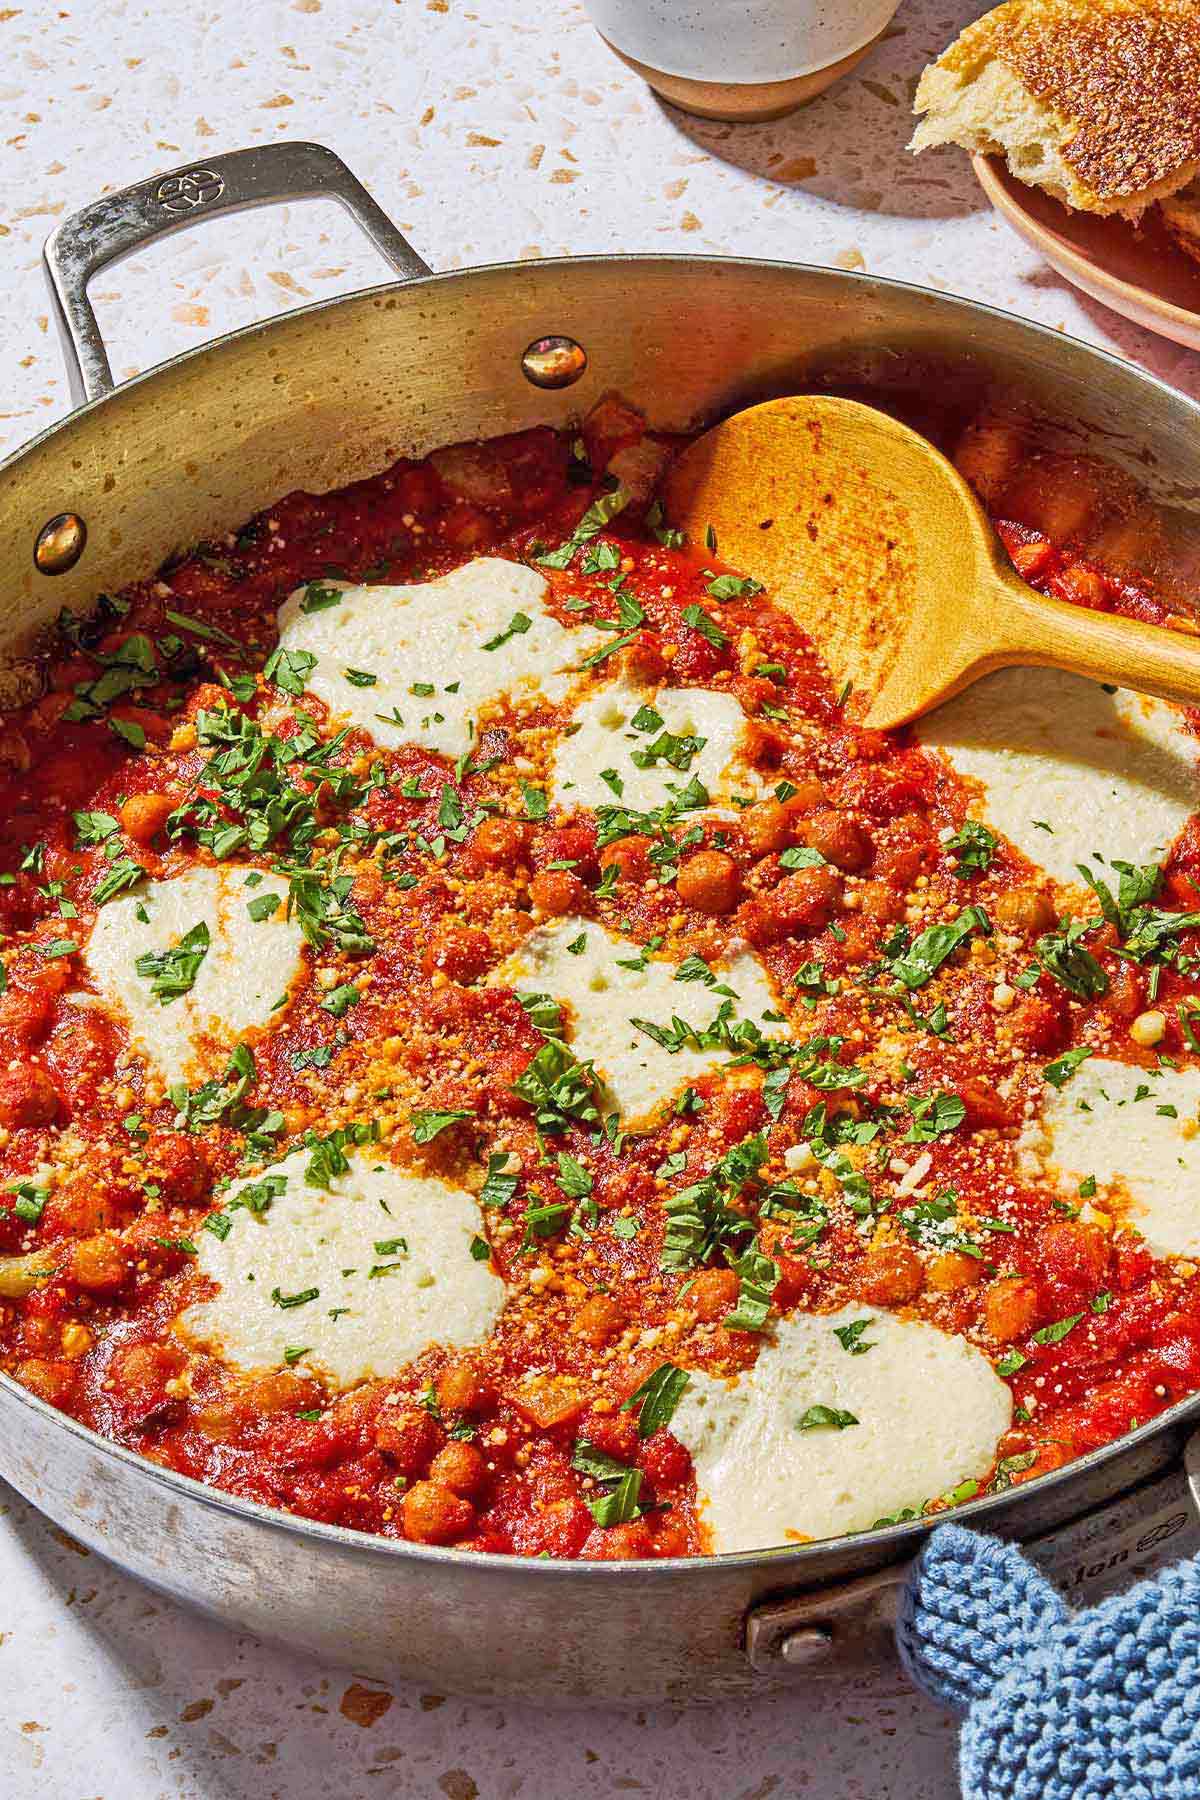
1097	101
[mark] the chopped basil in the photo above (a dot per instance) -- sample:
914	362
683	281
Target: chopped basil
499	1187
973	846
733	587
1054	1334
573	1178
428	1125
1008	1466
1058	1072
339	1000
317	596
172	973
657	1398
850	1336
516	627
93	827
287	1301
933	1115
819	1418
290	669
129	731
1064	958
706	625
926	954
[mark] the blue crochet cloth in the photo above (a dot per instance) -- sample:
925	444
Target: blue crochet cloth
1060	1705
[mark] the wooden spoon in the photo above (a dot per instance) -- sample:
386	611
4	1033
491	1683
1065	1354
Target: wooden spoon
874	542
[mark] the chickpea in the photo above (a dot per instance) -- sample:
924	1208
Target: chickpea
876	900
557	891
500	842
809	796
461	1468
1010	1307
709	881
461	1388
767	827
952	1271
459	952
277	1391
1148	1029
629	856
27	1096
839	840
1024	911
890	1274
97	1264
801	903
409	1436
53	1382
598	1319
434	1514
145	1368
144	815
712	1294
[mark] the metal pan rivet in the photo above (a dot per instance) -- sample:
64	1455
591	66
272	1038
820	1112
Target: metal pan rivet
808	1644
60	544
554	362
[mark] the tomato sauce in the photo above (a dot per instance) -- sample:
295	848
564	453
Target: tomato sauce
481	1448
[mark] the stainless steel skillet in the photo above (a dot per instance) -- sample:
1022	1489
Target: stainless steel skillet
331	393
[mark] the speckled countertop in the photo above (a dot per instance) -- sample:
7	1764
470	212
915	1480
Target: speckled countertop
487	130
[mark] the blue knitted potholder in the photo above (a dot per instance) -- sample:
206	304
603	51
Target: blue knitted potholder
1060	1705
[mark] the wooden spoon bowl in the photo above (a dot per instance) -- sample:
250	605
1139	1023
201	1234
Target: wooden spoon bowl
873	541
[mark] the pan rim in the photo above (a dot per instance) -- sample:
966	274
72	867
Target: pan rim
851	278
790	1561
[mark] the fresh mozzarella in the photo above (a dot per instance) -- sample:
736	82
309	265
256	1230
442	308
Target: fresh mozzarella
596	766
388	1253
248	965
928	1412
1107	1121
1110	774
434	635
584	967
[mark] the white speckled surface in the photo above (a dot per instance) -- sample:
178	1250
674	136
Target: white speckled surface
487	130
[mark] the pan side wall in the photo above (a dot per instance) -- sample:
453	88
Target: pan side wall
334	393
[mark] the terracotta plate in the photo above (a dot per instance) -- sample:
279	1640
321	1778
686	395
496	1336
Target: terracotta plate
1137	270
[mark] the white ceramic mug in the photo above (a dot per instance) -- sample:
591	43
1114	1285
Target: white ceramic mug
741	58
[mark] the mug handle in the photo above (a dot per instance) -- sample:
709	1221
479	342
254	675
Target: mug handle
119	224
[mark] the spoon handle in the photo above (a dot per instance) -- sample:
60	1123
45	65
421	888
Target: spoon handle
1029	628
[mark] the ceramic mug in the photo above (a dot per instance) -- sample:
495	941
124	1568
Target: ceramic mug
740	59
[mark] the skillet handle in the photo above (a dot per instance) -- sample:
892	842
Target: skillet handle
121	223
849	1627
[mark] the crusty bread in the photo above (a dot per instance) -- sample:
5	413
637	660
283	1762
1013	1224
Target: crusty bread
1098	101
1182	216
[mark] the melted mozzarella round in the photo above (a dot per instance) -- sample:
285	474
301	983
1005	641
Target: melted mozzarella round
1105	1121
433	635
929	1412
387	1253
596	766
581	965
249	964
1111	775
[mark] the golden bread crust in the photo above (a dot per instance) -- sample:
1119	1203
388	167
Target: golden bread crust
1123	74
